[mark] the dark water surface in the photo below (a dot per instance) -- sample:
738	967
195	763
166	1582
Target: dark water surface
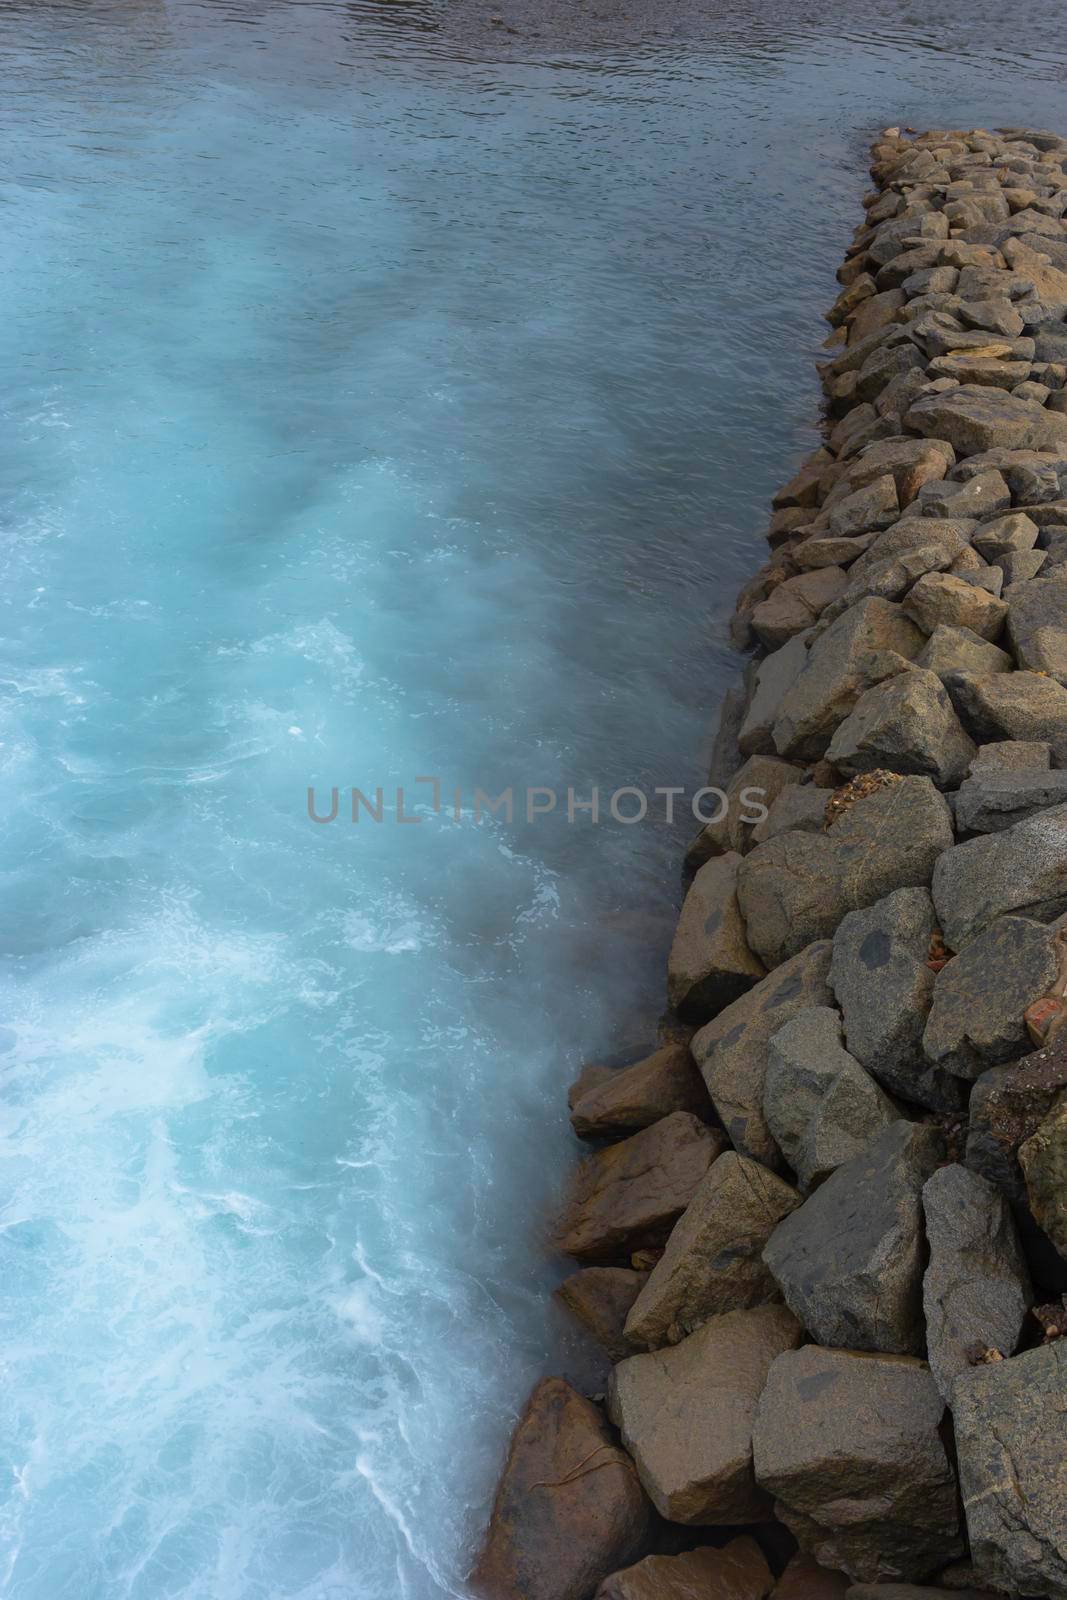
387	392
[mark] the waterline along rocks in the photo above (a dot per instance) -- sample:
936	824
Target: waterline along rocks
821	1232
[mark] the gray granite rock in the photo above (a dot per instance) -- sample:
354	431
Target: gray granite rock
984	495
849	1262
865	510
939	598
976	1289
775	676
731	1051
994	800
882	982
1023	869
820	1105
710	963
752	790
1012	755
1005	535
1011	1420
836	673
713	1259
801	807
1012	705
950	649
980	996
686	1413
1020	566
725	755
974	418
904	724
951	535
1008	1105
797	887
851	1448
1037	624
1043	1158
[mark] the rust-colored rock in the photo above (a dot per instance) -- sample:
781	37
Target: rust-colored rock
600	1298
569	1509
629	1196
637	1096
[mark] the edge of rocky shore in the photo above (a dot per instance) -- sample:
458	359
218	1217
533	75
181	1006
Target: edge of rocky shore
821	1232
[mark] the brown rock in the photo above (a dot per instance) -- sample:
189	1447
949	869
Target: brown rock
795	604
737	1572
569	1509
713	1260
634	1097
939	598
629	1196
600	1298
804	1579
686	1413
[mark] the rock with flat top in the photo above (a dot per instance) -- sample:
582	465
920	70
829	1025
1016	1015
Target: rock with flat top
1012	755
629	1196
1023	869
975	417
713	1261
1037	624
976	1288
993	800
1010	1422
731	1051
685	1415
796	888
850	1261
1004	536
851	1448
871	507
710	963
738	1571
557	1531
820	1105
904	724
634	1097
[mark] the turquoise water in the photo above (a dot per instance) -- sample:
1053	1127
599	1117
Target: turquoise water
386	394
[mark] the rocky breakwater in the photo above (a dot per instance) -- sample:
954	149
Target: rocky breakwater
821	1233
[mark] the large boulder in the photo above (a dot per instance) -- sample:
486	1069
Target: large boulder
904	724
710	963
909	462
850	1446
634	1097
1037	624
797	887
951	536
976	1289
685	1415
1012	705
975	417
1011	1420
977	1018
600	1298
1043	1158
731	1051
556	1531
714	1257
884	986
850	1261
837	669
871	507
629	1196
820	1105
1023	869
738	1571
